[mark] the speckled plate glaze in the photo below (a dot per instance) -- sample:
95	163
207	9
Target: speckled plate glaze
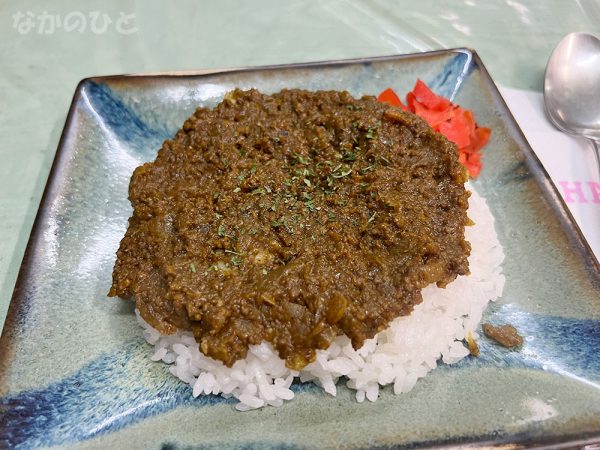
75	370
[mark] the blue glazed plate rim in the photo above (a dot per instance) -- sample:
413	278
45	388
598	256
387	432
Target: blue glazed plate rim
64	153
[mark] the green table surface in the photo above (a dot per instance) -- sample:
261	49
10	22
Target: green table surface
47	47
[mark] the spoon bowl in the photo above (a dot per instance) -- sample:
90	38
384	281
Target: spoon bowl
572	85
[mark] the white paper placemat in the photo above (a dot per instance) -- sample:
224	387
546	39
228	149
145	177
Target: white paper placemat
569	160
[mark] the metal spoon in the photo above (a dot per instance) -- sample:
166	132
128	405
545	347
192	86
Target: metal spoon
572	87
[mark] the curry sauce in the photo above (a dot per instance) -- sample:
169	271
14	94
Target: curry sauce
292	218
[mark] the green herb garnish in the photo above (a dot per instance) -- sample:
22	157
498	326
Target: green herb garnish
222	233
299	158
367	169
278	223
351	156
371	132
310	205
344	173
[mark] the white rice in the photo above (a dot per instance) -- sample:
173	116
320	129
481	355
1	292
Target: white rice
400	355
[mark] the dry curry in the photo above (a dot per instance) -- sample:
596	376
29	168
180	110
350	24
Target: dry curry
292	218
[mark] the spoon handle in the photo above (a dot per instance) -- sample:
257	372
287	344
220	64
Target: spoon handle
596	145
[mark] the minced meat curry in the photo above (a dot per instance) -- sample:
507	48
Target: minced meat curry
292	218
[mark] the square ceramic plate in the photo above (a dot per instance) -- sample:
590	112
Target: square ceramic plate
75	369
